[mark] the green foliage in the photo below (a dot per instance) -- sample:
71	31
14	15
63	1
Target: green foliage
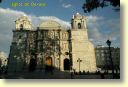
0	1
90	5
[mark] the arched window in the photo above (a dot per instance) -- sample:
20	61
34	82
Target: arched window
21	26
79	25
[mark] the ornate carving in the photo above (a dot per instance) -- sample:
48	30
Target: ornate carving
23	23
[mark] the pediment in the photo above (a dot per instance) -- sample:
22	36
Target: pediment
49	24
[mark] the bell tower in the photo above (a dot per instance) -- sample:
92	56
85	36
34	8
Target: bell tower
23	23
20	45
83	54
78	21
79	27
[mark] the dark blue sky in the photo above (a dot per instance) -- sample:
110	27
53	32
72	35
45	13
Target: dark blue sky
56	8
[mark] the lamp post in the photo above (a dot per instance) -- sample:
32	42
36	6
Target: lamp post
79	61
110	56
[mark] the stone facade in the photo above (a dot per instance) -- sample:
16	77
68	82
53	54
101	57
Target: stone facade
82	49
51	45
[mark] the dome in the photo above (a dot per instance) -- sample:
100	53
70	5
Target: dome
78	16
50	24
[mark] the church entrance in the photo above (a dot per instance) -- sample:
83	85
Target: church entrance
48	64
66	64
32	65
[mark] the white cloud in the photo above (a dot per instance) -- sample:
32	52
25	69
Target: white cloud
7	24
101	29
62	22
66	5
7	18
93	26
3	55
38	20
93	18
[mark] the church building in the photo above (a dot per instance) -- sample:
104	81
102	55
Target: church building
51	45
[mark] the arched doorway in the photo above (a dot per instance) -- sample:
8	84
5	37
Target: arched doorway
48	64
32	65
66	64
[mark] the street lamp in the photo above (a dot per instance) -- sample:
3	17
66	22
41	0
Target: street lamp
79	61
110	56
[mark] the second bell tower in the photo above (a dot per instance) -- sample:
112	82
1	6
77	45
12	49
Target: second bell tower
78	21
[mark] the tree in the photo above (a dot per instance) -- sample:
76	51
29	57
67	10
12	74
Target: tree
90	5
0	1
